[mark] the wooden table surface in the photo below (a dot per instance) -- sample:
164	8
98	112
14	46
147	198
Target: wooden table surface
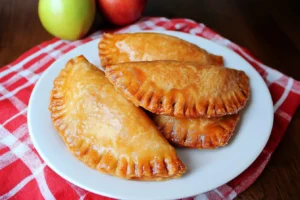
270	29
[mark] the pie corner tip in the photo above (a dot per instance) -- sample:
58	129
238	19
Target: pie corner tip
106	49
105	40
80	58
219	60
77	59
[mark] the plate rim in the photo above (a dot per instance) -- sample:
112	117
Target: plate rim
70	179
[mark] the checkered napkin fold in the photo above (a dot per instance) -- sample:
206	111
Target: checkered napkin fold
24	175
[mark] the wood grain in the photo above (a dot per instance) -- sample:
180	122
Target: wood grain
270	29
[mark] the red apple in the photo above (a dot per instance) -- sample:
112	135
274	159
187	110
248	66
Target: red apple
122	12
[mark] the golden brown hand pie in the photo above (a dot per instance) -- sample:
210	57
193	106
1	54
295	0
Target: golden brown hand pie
197	132
129	47
180	89
106	131
117	48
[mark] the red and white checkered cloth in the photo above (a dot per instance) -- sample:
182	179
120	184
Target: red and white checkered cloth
24	175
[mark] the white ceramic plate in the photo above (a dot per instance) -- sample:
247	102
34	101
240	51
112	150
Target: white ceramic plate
207	169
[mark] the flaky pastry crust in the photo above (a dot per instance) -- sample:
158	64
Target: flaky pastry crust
106	131
130	47
199	133
180	89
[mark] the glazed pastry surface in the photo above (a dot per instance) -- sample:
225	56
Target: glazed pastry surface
180	89
129	47
200	132
106	131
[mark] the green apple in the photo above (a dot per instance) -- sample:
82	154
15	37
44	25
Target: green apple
67	19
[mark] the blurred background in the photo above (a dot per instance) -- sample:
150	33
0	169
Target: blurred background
249	23
269	29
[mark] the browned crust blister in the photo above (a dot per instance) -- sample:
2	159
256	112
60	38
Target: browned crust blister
201	133
160	167
181	90
133	47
